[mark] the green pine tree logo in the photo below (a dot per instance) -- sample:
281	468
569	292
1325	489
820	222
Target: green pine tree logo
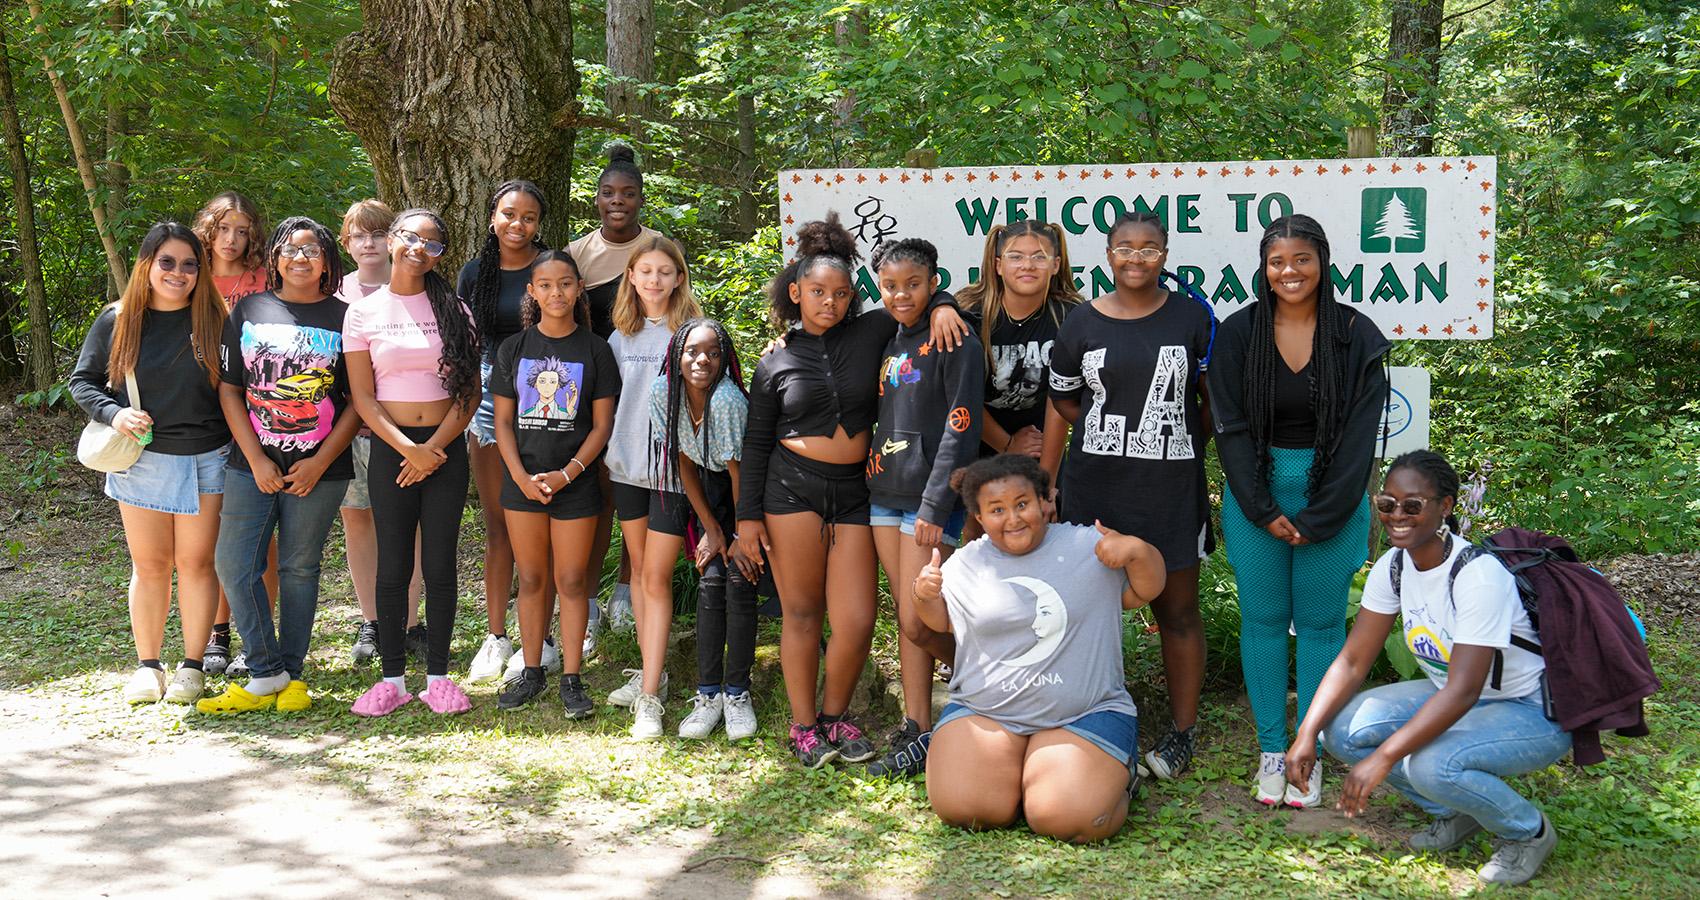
1395	220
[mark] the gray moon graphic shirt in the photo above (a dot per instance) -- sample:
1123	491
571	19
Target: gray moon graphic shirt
1038	636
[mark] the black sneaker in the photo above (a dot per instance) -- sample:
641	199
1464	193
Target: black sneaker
574	701
1136	775
238	667
366	642
811	746
1172	755
530	685
418	641
216	657
852	745
907	757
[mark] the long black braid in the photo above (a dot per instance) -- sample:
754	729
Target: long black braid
487	287
458	368
330	278
664	447
529	310
1439	473
1328	355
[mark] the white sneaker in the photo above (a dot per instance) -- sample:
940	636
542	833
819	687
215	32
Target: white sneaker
550	660
1271	779
620	616
740	711
704	715
146	685
186	686
492	657
646	717
1298	799
627	694
589	646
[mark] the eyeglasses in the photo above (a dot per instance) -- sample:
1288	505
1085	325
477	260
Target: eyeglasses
1039	260
172	264
413	242
302	251
1143	254
365	237
1410	506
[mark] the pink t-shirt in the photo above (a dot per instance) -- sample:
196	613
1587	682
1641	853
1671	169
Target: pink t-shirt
400	332
353	290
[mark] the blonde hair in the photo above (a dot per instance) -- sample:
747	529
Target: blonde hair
681	307
986	295
206	227
368	215
206	307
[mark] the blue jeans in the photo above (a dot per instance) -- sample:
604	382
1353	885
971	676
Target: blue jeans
245	528
1461	770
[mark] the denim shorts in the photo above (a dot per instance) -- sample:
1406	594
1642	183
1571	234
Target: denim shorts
357	497
170	484
483	424
904	519
1113	732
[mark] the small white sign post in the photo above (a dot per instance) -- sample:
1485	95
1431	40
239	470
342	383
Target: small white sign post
1405	420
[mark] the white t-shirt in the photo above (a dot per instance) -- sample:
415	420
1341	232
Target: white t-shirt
1483	610
639	356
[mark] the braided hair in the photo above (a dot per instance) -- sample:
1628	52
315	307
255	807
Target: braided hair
986	295
664	447
819	244
530	311
330	278
458	367
487	287
1437	471
968	480
911	250
1328	355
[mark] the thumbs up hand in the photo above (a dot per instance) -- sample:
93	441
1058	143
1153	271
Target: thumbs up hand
929	585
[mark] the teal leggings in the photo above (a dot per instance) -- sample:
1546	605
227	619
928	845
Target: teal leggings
1281	586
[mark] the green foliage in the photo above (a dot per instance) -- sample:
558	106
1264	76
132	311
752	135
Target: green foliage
56	397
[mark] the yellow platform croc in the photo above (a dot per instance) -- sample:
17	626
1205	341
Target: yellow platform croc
294	697
236	700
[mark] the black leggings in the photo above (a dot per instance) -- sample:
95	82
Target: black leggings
432	508
726	604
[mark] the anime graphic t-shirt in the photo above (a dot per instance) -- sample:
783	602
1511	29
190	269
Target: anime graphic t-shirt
554	383
287	359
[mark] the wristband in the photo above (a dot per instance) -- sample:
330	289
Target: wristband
581	466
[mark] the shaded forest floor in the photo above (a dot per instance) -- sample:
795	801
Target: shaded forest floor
98	796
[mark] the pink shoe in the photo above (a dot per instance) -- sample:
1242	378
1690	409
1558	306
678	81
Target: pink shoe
381	699
444	696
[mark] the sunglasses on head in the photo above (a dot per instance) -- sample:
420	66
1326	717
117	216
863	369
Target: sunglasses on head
1410	506
187	265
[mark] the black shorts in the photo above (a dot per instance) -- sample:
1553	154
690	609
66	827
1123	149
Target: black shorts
630	501
669	512
837	492
581	498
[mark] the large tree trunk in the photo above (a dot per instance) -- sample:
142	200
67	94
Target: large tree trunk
631	59
1413	77
35	289
746	166
117	131
451	97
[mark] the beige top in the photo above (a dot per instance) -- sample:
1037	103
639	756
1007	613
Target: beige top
600	260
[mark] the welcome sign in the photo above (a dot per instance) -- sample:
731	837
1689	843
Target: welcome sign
1412	239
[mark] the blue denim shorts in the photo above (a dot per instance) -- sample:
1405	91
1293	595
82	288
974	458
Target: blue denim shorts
904	519
169	484
1115	733
483	424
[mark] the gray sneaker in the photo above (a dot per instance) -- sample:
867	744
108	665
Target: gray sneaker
1444	834
1515	862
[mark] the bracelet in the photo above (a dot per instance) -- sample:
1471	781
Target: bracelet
581	466
563	471
1007	444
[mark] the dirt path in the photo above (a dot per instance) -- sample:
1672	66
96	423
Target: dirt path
82	816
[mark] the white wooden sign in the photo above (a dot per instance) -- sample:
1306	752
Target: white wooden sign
1406	416
1412	239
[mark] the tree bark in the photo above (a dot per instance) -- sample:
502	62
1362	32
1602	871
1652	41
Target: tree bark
849	31
35	288
85	163
1413	77
117	131
631	59
451	97
746	164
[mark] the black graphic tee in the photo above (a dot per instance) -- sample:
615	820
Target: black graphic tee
287	358
1018	376
1136	456
554	383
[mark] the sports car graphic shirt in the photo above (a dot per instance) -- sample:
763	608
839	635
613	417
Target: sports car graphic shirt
287	359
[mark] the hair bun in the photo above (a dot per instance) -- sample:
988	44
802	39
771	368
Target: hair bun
828	238
619	151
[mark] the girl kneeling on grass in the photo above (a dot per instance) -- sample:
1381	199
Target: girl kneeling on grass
697	410
1039	722
556	385
1445	741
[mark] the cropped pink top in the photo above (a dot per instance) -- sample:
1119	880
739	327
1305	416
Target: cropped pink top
400	333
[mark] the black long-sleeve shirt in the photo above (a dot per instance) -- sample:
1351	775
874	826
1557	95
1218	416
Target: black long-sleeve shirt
929	421
172	382
1334	501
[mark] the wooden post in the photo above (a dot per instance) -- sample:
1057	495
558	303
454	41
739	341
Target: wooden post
1360	141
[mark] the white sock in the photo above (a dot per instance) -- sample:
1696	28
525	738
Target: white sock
398	682
270	684
433	679
622	591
